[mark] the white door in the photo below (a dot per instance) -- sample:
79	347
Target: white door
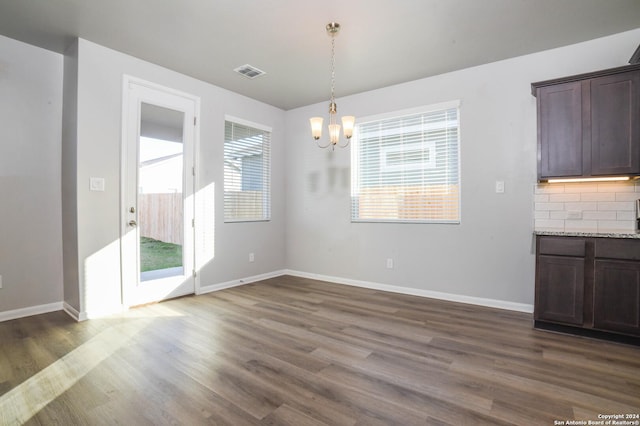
157	225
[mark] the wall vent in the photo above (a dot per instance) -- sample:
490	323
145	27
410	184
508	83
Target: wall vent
249	71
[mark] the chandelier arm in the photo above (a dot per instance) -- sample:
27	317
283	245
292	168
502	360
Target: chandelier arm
345	145
323	146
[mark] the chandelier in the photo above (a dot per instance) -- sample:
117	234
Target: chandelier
348	121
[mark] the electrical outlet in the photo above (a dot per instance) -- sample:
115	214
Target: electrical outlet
574	214
499	187
0	281
389	263
251	257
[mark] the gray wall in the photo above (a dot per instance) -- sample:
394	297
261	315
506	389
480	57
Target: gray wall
71	287
30	214
222	250
489	255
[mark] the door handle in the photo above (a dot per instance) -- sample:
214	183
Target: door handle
133	223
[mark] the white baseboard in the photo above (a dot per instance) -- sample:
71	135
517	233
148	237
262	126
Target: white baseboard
239	282
491	303
52	307
480	301
31	310
73	312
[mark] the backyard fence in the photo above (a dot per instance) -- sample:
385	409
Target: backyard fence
160	217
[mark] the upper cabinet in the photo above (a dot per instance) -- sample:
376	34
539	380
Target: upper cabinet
560	140
589	124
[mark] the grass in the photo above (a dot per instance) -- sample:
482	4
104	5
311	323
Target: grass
156	255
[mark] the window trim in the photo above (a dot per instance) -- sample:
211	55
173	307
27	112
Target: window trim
410	111
243	122
399	114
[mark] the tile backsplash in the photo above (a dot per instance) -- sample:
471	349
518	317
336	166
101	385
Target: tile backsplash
586	206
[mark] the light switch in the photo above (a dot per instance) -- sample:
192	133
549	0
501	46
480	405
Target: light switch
499	187
96	184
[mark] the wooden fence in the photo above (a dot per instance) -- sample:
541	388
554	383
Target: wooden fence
160	217
434	202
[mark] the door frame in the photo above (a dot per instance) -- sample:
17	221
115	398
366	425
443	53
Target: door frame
128	295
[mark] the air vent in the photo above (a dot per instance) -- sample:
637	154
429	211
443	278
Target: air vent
249	71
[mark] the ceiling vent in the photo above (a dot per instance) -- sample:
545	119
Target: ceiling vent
249	71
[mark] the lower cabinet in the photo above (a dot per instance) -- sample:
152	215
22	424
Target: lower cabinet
588	285
617	296
560	293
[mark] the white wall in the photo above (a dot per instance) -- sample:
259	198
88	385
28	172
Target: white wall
490	254
223	248
30	212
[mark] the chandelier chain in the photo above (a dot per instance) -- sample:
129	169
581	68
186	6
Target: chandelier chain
333	67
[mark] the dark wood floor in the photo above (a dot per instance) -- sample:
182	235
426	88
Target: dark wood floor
293	351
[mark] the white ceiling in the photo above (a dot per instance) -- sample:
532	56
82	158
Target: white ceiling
382	42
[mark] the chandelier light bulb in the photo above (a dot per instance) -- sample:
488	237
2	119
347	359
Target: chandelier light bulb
348	123
316	127
334	133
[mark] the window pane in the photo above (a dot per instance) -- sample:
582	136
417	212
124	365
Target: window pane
406	169
247	171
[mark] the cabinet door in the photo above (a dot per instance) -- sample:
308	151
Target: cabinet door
615	124
560	150
617	296
560	289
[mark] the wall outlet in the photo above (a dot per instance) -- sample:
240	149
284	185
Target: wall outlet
251	257
499	187
574	214
0	281
389	263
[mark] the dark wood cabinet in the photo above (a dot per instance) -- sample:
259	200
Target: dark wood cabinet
615	124
560	293
589	124
560	152
560	267
617	285
588	285
617	296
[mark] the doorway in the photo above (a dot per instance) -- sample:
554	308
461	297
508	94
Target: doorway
157	229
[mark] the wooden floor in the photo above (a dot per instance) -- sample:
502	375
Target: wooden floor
293	351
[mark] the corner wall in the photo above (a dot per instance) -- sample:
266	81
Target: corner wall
30	206
69	163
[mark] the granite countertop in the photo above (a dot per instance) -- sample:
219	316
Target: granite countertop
589	234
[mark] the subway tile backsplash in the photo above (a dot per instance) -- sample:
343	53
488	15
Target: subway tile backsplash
586	207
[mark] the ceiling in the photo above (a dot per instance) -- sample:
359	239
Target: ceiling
382	42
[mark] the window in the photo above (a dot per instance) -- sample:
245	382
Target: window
405	166
247	171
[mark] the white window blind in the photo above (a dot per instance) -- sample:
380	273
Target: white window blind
247	172
405	167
